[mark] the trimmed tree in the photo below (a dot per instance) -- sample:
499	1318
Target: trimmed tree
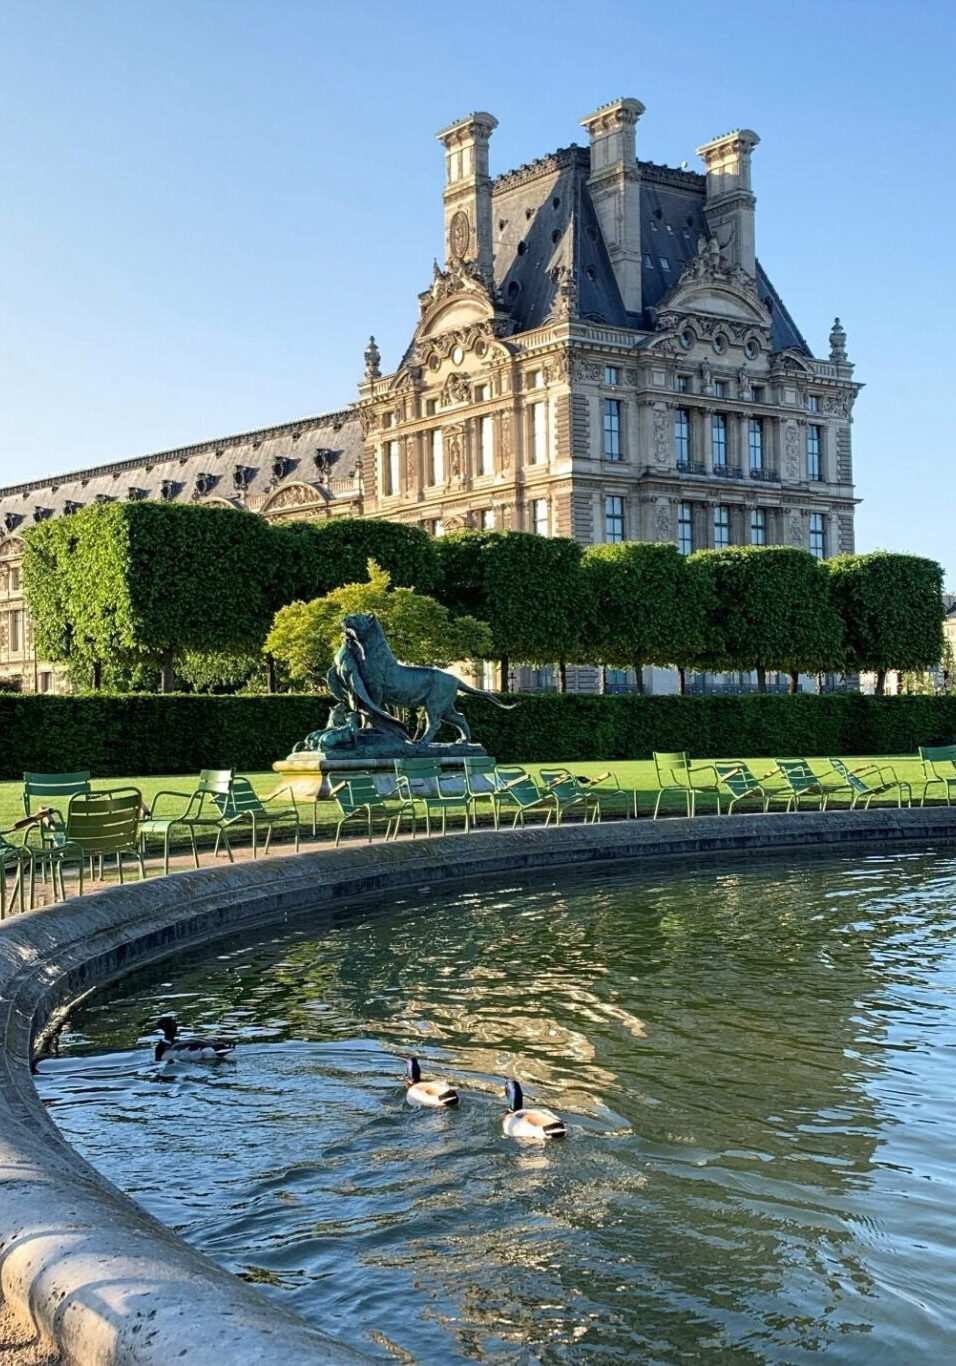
528	588
325	555
892	611
305	635
770	608
648	607
133	583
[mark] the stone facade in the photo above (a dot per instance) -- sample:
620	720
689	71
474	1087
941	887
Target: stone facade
601	355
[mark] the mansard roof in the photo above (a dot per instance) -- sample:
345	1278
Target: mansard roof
546	228
244	470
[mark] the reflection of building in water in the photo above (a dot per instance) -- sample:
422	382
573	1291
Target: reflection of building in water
601	355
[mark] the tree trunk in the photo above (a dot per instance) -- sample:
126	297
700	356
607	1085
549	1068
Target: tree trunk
682	681
819	685
504	674
880	682
562	675
761	678
97	675
271	666
794	681
638	677
602	681
167	682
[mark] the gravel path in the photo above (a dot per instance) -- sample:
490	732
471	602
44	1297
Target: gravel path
19	1347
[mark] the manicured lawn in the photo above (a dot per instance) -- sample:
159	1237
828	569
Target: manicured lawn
636	775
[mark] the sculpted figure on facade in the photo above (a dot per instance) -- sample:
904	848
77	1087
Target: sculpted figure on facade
792	451
661	437
663	521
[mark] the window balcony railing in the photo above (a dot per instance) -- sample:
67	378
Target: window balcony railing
690	467
765	475
728	472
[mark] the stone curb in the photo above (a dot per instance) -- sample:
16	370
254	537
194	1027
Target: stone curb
92	1271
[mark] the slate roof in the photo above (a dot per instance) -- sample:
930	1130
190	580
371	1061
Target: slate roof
544	220
246	469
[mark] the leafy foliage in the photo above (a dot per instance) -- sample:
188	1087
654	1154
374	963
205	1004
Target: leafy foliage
648	606
222	671
324	555
892	610
305	635
528	588
770	609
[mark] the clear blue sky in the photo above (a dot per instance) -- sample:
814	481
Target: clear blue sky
207	205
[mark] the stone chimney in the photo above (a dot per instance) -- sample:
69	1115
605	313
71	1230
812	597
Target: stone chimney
467	194
730	201
615	186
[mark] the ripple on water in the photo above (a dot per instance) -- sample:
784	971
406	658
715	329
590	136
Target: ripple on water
754	1064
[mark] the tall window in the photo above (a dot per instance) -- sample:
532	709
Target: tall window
437	458
482	392
487	519
486	445
758	526
612	374
685	528
613	520
721	528
682	384
755	434
16	632
612	429
818	536
539	516
392	471
681	434
813	403
438	527
718	439
539	449
813	453
720	388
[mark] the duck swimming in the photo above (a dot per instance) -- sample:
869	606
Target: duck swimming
534	1124
418	1092
188	1050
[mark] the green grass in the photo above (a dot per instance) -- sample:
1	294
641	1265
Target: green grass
637	775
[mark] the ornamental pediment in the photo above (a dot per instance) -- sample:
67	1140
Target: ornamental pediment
292	496
12	548
459	298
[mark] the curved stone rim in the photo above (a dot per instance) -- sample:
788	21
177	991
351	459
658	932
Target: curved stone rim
97	1275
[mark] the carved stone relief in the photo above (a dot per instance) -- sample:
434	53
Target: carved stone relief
663	521
792	450
795	531
504	443
661	444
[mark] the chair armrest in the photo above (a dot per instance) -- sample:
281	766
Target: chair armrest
183	796
701	768
337	788
37	818
278	793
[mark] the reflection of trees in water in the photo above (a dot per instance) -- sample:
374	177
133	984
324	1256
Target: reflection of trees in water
721	1015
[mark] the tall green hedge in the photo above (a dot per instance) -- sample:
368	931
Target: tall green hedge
141	734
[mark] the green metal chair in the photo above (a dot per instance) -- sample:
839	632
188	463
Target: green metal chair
98	824
862	787
517	788
482	785
939	770
199	814
421	780
800	782
50	792
741	783
13	857
676	774
357	797
242	803
596	795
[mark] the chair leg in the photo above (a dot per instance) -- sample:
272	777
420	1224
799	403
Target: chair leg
657	805
166	855
228	848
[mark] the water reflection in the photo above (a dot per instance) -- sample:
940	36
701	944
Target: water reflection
753	1064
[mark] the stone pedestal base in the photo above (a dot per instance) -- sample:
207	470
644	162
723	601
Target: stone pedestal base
309	772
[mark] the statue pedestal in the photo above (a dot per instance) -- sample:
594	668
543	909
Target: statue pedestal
309	772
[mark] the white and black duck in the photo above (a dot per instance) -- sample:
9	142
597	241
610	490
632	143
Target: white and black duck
537	1125
434	1093
171	1048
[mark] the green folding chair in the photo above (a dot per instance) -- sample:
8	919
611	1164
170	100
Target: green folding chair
518	789
741	784
482	785
424	781
677	776
242	803
863	786
801	782
938	763
357	798
200	814
98	825
13	858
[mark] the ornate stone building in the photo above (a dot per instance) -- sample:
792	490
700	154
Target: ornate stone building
600	356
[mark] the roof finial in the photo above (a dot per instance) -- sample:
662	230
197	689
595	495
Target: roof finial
372	360
837	342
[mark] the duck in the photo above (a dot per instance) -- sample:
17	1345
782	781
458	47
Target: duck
538	1125
188	1050
434	1093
